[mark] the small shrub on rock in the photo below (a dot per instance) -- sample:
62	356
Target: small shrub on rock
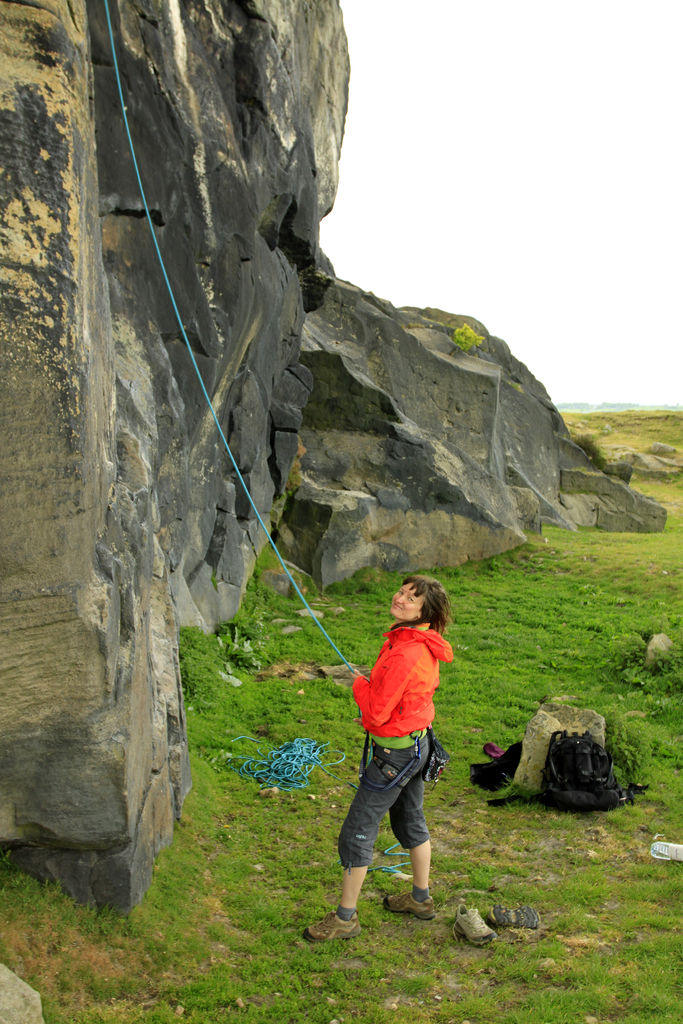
466	338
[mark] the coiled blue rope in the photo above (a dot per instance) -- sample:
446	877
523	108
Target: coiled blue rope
191	353
286	767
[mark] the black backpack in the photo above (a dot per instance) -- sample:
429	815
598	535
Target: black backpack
578	775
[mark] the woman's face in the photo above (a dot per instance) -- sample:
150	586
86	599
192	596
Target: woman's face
406	606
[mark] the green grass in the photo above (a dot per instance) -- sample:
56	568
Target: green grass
219	933
638	428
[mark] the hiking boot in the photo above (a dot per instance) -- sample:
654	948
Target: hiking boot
521	917
405	904
332	927
469	925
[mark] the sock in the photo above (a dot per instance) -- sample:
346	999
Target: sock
345	913
420	895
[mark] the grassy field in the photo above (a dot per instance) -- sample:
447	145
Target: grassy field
219	934
638	428
615	433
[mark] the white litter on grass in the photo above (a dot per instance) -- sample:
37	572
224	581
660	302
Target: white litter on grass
666	851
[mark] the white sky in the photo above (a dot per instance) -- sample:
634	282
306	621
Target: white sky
520	161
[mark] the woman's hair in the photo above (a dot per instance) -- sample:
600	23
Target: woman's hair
436	607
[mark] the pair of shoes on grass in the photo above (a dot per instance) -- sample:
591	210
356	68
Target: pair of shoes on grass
332	927
469	924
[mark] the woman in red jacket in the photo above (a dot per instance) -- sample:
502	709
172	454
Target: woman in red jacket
396	707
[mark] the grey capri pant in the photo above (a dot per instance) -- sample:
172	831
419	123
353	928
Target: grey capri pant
404	804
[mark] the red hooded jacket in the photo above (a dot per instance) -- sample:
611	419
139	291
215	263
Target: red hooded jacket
397	699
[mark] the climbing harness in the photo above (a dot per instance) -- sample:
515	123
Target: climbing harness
286	767
405	772
191	353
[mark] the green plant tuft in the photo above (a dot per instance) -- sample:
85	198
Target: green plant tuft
628	741
210	662
466	338
590	447
627	657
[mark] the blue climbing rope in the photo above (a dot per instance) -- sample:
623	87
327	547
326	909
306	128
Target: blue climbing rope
392	869
286	767
191	353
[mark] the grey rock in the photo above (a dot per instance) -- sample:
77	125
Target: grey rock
549	719
121	516
400	441
659	448
528	508
655	466
276	581
420	454
620	468
581	509
608	503
417	453
19	1003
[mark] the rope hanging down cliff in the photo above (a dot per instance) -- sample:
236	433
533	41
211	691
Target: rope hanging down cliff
191	353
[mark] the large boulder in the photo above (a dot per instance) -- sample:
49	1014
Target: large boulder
592	498
121	515
420	454
548	719
402	465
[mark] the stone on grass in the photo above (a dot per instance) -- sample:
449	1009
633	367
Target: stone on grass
660	645
340	674
19	1003
549	719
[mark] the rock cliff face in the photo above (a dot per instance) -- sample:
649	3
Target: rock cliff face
419	454
120	515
